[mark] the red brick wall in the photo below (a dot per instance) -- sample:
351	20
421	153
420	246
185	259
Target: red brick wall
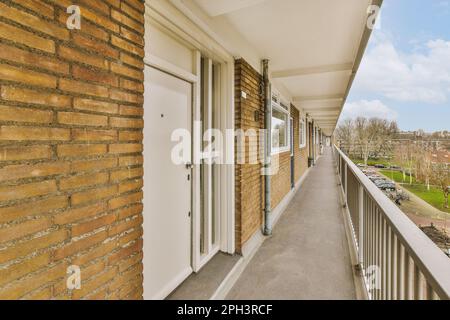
71	105
248	180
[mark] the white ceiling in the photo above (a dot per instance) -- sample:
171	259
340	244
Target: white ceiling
312	45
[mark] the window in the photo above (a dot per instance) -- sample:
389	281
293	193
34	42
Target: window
280	125
302	133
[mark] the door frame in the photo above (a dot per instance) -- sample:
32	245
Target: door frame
292	144
177	26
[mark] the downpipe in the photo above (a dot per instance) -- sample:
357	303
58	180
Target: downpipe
268	147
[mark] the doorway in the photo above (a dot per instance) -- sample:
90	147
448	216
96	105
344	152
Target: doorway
168	191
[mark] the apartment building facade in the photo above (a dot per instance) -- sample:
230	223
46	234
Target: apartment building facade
88	126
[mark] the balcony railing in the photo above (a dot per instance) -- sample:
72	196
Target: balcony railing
397	260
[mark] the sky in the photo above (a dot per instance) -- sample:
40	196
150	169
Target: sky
405	72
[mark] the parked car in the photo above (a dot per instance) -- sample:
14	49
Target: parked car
378	181
386	186
379	166
368	172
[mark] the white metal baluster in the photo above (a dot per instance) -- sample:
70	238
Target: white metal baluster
418	285
394	262
408	277
400	271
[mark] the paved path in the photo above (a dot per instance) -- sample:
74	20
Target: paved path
308	256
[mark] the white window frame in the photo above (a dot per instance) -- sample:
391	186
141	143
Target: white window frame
302	133
276	104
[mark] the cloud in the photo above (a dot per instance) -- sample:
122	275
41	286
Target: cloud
368	109
423	76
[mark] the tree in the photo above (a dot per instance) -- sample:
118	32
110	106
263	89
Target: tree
366	137
406	155
373	136
440	176
424	161
344	134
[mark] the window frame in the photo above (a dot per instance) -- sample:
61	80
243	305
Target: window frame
277	103
302	133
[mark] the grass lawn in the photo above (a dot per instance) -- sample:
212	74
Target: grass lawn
372	162
396	176
434	197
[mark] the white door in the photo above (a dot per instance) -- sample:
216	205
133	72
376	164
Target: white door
167	187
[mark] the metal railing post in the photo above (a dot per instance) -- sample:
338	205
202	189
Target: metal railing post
361	224
346	182
408	265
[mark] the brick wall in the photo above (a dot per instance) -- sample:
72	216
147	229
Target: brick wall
71	105
249	183
280	183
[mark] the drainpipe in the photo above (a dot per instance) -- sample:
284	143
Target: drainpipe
268	147
313	143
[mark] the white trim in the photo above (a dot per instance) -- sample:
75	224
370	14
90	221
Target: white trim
302	133
176	25
196	256
163	65
277	105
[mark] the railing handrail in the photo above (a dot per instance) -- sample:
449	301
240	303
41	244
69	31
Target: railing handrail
432	262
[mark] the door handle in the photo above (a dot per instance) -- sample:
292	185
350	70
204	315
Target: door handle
189	166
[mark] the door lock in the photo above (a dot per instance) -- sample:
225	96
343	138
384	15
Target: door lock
189	166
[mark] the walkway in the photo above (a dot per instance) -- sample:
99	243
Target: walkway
308	255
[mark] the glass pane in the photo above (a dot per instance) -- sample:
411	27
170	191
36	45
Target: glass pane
301	132
279	129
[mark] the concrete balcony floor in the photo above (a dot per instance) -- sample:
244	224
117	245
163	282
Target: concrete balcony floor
308	255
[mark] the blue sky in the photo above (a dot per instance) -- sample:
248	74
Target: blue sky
405	72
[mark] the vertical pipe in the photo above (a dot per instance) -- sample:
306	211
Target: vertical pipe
268	147
313	135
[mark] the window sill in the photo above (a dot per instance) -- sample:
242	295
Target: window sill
280	150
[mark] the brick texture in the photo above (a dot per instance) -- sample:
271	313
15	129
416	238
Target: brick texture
249	182
71	105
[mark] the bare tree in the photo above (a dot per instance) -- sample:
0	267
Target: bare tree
344	134
423	164
406	154
366	137
440	176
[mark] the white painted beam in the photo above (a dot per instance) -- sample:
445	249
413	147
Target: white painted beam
313	70
322	98
216	8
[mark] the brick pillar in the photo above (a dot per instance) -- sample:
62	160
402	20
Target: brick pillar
249	193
